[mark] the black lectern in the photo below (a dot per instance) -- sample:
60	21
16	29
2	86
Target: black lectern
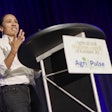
63	91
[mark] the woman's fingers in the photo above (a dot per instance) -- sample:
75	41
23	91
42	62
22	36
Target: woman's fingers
21	35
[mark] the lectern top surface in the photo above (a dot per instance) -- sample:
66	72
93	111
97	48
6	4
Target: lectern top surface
50	37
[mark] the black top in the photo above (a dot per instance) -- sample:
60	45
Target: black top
0	34
50	37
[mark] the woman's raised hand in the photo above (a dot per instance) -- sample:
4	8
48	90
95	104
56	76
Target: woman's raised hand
17	41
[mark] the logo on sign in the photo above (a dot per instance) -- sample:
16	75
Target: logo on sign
86	63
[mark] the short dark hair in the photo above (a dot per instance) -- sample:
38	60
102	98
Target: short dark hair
1	19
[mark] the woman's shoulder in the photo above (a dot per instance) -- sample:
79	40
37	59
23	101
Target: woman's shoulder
3	40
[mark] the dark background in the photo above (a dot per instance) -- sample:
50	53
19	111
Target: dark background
35	15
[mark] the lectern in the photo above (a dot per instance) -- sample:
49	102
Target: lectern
63	92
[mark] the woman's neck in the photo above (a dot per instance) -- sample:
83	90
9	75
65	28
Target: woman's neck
10	38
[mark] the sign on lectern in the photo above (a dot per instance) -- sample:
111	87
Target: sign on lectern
86	55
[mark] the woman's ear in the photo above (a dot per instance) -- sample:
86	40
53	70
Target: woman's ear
1	28
1	31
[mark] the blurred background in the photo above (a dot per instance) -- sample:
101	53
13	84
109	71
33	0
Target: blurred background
35	15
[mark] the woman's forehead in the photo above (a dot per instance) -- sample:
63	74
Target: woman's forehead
9	16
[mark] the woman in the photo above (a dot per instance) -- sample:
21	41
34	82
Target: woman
14	77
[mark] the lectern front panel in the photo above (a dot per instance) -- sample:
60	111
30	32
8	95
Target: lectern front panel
78	85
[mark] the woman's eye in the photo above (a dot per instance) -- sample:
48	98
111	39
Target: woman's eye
16	21
9	21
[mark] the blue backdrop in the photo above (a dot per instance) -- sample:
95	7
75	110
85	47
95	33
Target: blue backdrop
34	15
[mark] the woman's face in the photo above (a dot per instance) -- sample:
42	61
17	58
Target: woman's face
10	25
